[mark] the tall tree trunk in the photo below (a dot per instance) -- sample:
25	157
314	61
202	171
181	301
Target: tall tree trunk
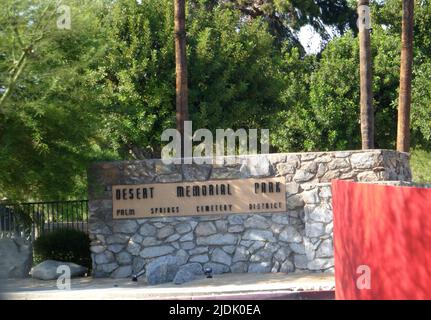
405	96
367	111
181	68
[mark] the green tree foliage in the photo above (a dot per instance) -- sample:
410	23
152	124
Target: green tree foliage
388	14
106	88
328	117
286	17
137	77
420	163
294	127
421	106
233	77
48	123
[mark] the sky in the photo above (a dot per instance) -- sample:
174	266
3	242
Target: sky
310	39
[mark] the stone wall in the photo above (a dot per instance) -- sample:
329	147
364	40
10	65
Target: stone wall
297	240
16	256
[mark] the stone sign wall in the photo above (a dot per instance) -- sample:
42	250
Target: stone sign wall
297	240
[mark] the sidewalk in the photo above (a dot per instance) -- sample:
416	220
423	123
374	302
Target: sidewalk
225	286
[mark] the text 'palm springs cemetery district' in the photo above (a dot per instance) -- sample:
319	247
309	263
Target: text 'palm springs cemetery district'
199	198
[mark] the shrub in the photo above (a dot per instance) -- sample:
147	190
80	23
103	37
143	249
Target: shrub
420	163
66	245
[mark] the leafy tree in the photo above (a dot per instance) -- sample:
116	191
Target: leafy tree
330	117
327	118
294	127
106	88
233	78
286	17
389	14
421	106
137	77
48	124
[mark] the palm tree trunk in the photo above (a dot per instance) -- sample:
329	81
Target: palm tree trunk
367	111
181	68
405	95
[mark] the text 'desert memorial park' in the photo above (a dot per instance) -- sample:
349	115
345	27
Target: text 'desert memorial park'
199	198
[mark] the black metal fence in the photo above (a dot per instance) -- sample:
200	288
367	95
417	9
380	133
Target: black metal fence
32	219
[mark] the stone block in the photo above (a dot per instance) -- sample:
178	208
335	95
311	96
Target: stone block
16	257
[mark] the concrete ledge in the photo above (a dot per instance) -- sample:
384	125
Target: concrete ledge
231	286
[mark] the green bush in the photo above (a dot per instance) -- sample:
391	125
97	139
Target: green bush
420	163
66	245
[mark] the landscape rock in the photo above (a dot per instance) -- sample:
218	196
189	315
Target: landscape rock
161	270
196	172
133	248
150	241
256	222
183	276
148	230
258	166
314	229
287	267
261	267
125	226
107	268
295	201
239	267
220	256
117	238
15	258
47	270
182	257
320	264
202	258
122	272
205	229
217	268
325	249
104	257
282	254
94	249
217	239
124	258
138	264
195	268
364	160
290	234
241	254
260	235
165	232
303	176
221	226
116	248
152	252
285	168
183	228
300	261
236	228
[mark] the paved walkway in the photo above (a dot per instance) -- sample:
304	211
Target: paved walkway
226	286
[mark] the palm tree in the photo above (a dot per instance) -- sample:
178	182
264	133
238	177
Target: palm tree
405	95
180	68
367	112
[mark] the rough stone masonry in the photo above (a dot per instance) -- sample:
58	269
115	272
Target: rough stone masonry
297	240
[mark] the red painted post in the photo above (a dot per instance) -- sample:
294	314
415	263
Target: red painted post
382	240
